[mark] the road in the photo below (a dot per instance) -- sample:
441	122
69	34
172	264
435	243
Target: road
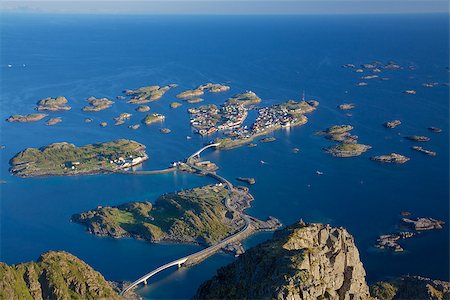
201	255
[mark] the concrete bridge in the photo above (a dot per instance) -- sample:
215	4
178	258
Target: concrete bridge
202	254
201	150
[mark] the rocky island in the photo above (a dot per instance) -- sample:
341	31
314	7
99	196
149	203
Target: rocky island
53	121
68	159
347	150
153	118
417	138
26	118
53	104
346	106
143	108
435	129
392	124
391	158
340	133
97	104
301	261
424	151
55	275
246	98
122	118
148	93
200	90
248	180
175	105
198	215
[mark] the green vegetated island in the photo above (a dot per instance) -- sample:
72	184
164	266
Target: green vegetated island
198	215
68	159
55	275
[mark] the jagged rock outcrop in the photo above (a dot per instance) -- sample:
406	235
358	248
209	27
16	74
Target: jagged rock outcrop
411	287
56	275
313	261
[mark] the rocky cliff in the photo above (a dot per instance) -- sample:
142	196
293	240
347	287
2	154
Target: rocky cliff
311	261
56	275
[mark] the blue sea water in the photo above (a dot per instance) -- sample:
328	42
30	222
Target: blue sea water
277	57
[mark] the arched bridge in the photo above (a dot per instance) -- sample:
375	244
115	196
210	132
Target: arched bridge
201	150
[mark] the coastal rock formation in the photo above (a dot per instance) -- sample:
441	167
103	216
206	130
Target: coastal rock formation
411	287
391	158
249	180
390	241
312	261
97	104
26	118
347	150
67	159
53	104
56	275
148	93
392	124
153	118
53	121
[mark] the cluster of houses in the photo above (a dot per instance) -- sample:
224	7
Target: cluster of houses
208	119
123	163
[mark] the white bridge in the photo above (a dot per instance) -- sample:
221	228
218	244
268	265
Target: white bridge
202	254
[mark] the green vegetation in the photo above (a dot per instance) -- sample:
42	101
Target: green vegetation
97	104
244	98
193	216
143	108
190	94
67	159
383	290
347	150
26	118
194	100
53	104
56	275
153	118
148	93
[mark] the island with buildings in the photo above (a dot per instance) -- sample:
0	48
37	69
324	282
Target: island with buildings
68	159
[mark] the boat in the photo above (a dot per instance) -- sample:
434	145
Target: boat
188	137
319	172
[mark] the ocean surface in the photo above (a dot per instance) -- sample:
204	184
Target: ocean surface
277	57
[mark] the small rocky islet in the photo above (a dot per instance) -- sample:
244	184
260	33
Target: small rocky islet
53	104
53	121
391	158
153	118
417	138
97	104
392	124
413	225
